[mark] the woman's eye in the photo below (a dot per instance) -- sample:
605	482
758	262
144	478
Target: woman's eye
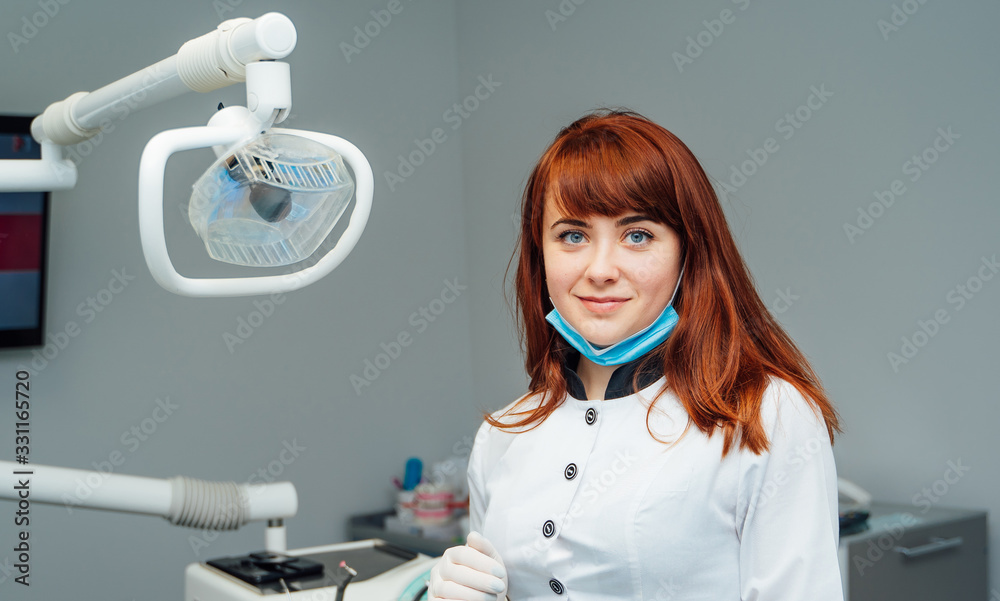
639	236
636	237
572	237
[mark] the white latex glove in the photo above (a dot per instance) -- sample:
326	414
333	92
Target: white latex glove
473	572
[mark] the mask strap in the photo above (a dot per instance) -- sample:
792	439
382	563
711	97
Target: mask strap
678	285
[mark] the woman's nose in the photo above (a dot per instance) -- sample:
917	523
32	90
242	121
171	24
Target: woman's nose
602	265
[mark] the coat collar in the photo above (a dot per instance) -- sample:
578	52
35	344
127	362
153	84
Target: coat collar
620	384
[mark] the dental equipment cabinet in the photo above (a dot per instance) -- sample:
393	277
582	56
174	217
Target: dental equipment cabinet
271	198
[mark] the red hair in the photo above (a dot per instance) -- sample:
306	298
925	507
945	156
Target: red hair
721	355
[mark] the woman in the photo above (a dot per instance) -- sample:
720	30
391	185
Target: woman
674	443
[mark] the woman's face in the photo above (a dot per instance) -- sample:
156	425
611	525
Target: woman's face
629	261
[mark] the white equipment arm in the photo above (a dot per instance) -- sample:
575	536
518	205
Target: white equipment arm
215	60
182	501
212	61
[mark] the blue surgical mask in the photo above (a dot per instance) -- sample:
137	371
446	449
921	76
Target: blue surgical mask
627	350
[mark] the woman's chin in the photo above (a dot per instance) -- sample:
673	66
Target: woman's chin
598	345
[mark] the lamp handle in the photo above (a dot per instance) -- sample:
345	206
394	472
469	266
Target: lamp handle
152	167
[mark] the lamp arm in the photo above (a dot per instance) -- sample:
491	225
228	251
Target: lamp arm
212	61
51	172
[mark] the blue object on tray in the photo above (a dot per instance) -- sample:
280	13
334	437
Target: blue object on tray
414	470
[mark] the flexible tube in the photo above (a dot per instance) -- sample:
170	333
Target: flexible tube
209	505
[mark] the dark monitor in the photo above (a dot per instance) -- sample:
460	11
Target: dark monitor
24	220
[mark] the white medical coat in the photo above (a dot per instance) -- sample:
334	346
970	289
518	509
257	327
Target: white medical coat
588	506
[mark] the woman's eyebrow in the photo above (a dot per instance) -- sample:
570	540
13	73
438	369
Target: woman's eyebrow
575	222
633	219
620	223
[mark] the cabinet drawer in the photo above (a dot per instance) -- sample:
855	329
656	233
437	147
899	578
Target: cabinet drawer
940	567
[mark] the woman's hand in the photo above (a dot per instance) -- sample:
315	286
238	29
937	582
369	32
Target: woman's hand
473	572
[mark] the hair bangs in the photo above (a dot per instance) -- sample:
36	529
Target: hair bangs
604	175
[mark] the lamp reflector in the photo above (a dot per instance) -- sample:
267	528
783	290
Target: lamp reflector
271	202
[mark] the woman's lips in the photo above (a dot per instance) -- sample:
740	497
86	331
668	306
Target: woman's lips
598	307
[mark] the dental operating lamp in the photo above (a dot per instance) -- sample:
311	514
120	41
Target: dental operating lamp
272	195
269	199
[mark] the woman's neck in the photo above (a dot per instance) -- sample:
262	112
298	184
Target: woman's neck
595	377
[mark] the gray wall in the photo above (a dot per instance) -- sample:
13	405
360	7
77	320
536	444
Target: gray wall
853	297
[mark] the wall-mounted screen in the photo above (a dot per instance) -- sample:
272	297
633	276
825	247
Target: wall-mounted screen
23	239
